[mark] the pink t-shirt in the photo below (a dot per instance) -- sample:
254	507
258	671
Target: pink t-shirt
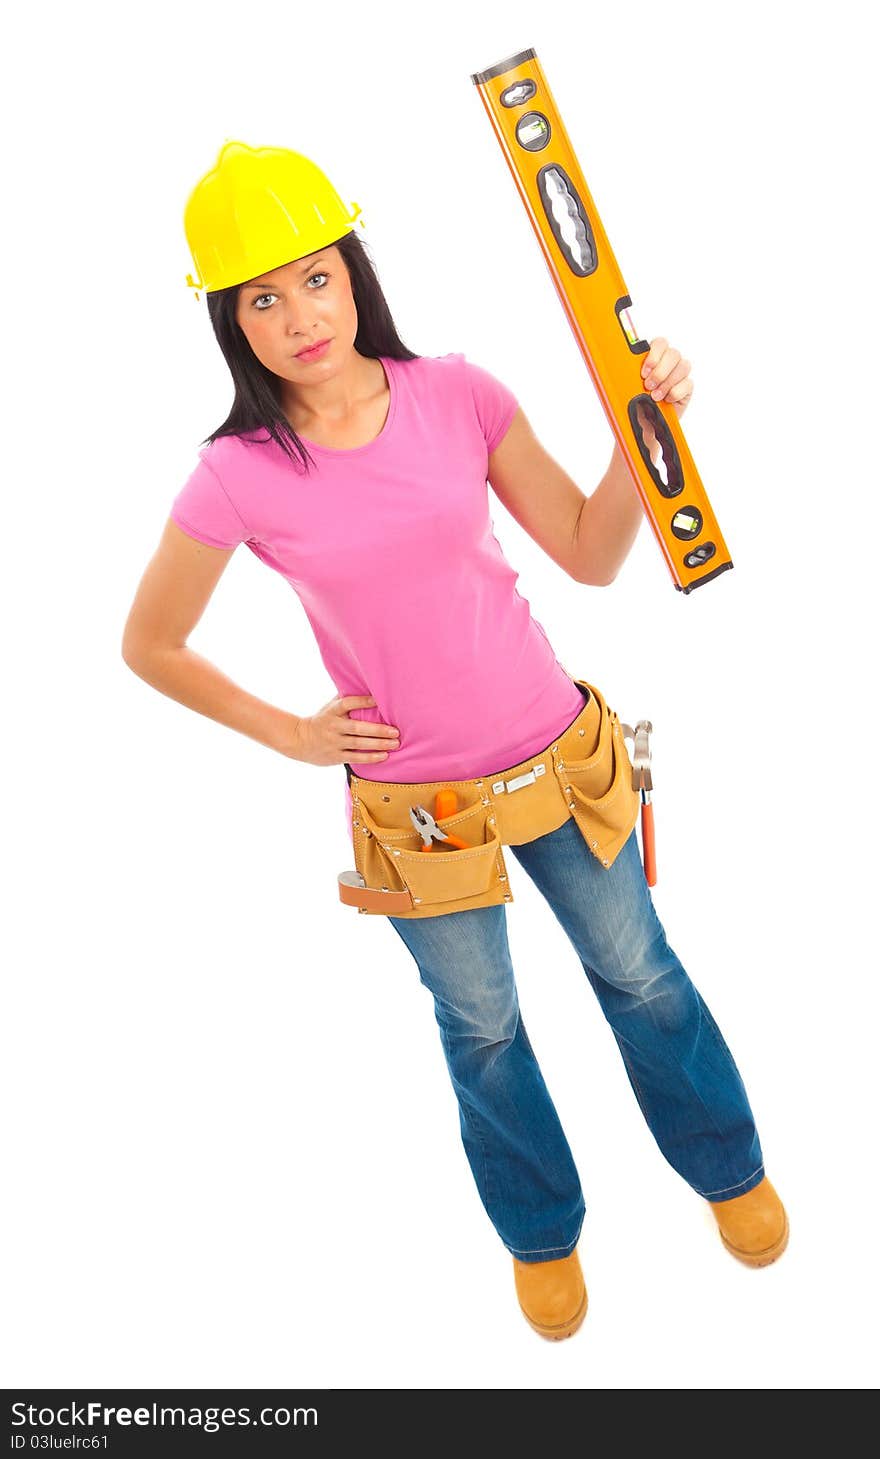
390	548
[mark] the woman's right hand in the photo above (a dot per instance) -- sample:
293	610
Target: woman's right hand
331	737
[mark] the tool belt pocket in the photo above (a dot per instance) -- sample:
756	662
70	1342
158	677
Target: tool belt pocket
391	857
599	788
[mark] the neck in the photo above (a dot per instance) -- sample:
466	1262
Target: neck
337	397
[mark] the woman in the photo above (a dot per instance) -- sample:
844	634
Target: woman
357	469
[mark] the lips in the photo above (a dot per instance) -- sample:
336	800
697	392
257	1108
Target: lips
312	349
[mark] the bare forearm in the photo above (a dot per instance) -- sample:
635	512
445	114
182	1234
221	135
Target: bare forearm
609	523
192	680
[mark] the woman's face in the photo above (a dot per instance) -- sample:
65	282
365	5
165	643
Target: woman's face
288	309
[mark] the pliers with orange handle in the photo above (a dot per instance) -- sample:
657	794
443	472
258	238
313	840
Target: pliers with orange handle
430	832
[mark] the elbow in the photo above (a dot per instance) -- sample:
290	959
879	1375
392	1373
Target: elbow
131	660
129	644
592	580
131	650
586	574
138	656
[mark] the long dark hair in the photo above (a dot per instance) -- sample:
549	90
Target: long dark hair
257	403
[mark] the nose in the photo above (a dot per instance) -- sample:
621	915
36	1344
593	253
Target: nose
299	320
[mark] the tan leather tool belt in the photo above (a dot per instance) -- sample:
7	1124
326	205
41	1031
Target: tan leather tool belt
586	773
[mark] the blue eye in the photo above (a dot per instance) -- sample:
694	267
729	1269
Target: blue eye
258	306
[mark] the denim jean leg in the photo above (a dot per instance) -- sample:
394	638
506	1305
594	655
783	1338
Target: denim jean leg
681	1070
517	1151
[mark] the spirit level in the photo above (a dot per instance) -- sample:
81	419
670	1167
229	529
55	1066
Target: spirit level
592	292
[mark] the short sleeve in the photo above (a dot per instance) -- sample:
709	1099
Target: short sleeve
204	510
494	402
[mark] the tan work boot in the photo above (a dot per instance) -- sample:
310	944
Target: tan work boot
552	1295
754	1226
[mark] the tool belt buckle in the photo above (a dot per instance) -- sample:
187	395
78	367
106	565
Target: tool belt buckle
518	781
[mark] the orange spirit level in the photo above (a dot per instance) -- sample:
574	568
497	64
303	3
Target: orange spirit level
592	292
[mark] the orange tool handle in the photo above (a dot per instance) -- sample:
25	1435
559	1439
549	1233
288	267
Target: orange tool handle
446	804
648	843
454	841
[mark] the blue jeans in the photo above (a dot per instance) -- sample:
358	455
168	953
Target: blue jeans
679	1066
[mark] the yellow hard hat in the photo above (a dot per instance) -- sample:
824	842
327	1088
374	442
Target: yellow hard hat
259	208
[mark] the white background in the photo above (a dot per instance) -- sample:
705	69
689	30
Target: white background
232	1144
